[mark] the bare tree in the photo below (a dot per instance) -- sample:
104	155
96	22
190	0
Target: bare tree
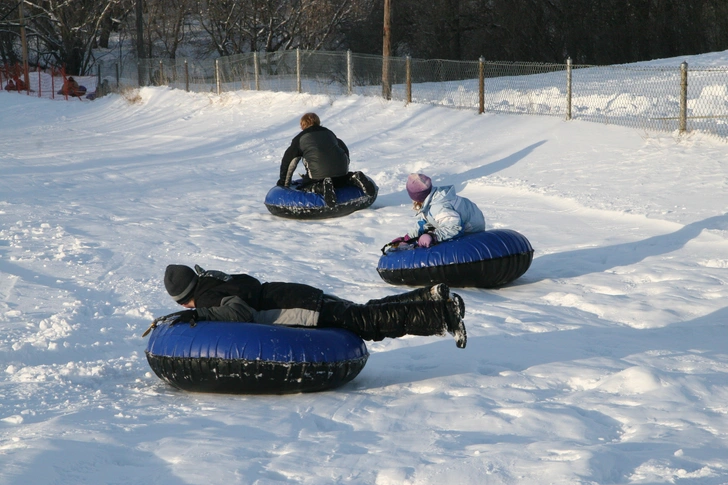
165	22
324	21
222	19
68	29
9	31
236	26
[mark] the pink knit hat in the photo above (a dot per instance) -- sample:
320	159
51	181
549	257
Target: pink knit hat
419	186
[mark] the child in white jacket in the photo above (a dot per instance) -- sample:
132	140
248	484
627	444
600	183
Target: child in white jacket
441	213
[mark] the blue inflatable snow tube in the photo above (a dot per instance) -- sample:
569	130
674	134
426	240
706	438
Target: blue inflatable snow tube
486	259
292	203
251	358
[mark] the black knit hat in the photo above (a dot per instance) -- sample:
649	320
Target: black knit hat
180	282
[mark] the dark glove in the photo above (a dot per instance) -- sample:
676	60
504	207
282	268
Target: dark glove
281	183
185	316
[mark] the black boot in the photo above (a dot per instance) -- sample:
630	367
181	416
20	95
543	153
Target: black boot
360	180
439	292
391	320
325	188
329	192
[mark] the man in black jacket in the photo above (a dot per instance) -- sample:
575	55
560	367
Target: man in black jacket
214	295
326	159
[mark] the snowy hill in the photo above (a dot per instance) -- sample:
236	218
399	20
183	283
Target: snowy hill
605	363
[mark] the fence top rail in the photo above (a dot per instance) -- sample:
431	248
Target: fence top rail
621	67
525	64
543	65
626	68
708	68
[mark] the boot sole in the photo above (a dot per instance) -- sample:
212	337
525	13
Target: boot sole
460	334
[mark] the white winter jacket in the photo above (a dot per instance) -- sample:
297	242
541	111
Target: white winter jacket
447	215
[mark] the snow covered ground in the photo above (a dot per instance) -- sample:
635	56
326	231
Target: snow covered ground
606	363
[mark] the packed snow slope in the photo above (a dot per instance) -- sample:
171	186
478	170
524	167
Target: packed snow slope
606	363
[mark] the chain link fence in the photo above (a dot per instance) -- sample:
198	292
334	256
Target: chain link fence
683	98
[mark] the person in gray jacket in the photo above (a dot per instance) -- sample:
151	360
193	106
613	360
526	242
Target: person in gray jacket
441	213
217	296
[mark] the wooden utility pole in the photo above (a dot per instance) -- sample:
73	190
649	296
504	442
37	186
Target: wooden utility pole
24	46
141	72
386	48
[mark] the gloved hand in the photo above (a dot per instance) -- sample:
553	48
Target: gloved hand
185	316
404	238
426	240
394	244
281	183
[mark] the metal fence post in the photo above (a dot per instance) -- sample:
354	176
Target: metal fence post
568	88
298	70
349	72
217	75
481	85
256	68
118	80
683	97
408	77
187	77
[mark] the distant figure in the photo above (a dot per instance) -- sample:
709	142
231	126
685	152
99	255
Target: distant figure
71	88
326	159
101	90
441	213
17	85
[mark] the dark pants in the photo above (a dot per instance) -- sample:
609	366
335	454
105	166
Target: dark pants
377	321
317	185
